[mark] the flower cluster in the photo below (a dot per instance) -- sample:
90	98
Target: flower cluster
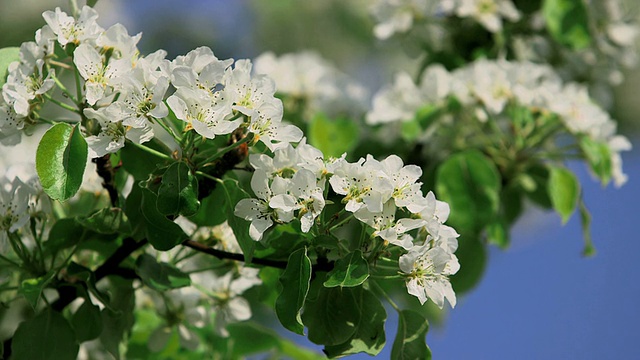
487	87
125	92
309	80
293	184
398	16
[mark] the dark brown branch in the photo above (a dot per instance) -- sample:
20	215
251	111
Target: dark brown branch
109	267
108	175
321	265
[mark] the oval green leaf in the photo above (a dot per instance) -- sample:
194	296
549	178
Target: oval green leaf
60	161
410	342
349	271
567	22
48	336
470	183
369	336
598	156
295	282
178	192
331	318
87	322
564	190
162	233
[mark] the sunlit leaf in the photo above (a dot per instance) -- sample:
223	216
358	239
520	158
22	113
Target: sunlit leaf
295	282
351	270
564	190
60	161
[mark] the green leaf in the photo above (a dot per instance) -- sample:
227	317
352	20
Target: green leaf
162	233
7	56
65	233
470	183
472	255
333	136
234	194
410	340
160	276
117	323
106	221
349	271
87	322
213	209
567	22
331	318
598	156
178	192
410	130
48	336
539	195
498	233
60	161
139	163
564	190
369	336
133	211
31	289
295	282
585	221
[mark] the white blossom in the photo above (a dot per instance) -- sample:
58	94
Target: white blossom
112	134
427	272
70	30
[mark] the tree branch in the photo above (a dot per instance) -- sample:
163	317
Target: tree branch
321	265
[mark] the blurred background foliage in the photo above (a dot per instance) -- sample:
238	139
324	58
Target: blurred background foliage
341	31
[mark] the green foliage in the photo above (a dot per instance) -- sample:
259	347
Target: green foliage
369	336
87	322
470	183
410	340
234	194
7	56
138	162
295	281
598	156
333	136
106	221
332	315
118	319
212	210
564	191
31	289
162	233
160	276
47	336
178	192
60	161
568	22
351	270
472	255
